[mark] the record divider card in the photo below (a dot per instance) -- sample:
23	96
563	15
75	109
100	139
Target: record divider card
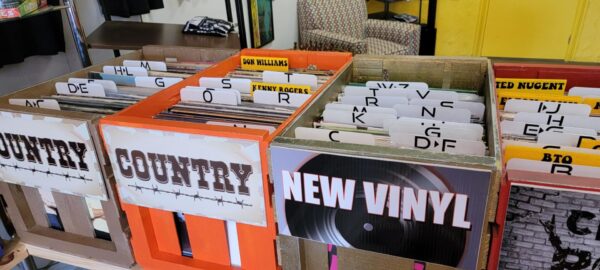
194	156
361	170
70	205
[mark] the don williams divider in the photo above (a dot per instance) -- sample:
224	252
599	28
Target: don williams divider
60	133
247	239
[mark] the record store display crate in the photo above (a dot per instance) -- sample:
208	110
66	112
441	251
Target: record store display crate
549	213
300	167
177	222
62	150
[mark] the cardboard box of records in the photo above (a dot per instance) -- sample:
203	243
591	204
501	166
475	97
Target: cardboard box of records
548	214
395	165
190	162
56	179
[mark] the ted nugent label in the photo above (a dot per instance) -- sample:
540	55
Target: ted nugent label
199	175
433	214
49	153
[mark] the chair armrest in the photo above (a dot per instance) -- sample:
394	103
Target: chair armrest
407	34
327	41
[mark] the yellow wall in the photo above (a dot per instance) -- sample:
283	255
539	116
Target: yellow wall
457	24
587	44
469	28
521	29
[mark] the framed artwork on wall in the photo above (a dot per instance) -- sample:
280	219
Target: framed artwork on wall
261	22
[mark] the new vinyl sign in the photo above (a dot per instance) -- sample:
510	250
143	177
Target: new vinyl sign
49	153
397	208
199	175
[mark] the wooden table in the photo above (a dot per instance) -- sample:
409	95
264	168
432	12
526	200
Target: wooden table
120	35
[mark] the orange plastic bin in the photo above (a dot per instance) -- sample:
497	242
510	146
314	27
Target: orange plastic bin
154	234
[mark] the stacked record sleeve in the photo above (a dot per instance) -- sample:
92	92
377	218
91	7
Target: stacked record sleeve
553	119
568	124
405	115
244	98
116	87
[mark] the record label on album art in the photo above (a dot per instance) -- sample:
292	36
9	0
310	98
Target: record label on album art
194	174
49	153
427	213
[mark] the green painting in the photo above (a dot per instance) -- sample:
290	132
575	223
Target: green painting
261	22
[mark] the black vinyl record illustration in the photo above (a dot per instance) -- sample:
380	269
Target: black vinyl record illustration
425	241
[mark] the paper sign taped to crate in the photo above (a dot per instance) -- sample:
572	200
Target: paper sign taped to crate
199	175
542	86
49	153
397	208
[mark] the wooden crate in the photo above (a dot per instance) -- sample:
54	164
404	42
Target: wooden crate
373	163
14	251
154	232
543	183
299	253
24	203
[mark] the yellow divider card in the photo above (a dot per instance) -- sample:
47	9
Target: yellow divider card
265	63
551	155
504	95
280	87
590	143
594	102
533	86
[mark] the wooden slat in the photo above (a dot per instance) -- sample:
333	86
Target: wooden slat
163	225
290	257
116	226
208	238
36	206
53	255
74	214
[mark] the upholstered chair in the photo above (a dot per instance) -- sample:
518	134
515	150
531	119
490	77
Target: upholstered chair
342	25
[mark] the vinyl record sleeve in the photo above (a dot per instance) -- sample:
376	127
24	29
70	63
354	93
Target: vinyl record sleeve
550	228
355	223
